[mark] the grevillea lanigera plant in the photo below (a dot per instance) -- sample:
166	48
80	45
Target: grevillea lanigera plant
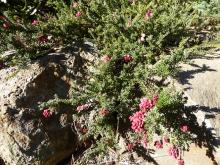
137	40
149	27
150	118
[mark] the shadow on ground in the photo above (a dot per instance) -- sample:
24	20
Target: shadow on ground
185	76
205	138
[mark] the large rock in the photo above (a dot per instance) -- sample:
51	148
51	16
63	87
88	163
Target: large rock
25	136
201	78
200	81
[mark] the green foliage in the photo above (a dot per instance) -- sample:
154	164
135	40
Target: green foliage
138	40
117	86
115	26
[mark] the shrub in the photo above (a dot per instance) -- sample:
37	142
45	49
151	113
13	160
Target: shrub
137	41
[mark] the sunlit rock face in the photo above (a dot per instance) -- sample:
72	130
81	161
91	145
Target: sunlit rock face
200	79
26	137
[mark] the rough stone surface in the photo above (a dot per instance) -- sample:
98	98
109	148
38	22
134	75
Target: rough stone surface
200	81
201	78
25	136
196	156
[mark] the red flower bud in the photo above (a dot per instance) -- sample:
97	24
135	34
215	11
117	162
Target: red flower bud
6	25
158	144
46	113
104	112
78	14
148	14
127	58
184	128
180	162
35	22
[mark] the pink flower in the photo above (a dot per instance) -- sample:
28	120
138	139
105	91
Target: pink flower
173	151
43	39
106	58
82	107
158	144
130	146
137	121
180	162
148	14
47	113
184	128
35	22
146	104
104	112
127	58
6	25
78	14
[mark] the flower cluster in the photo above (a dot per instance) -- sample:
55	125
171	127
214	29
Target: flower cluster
106	58
184	128
35	22
82	107
146	104
158	144
47	113
180	162
78	14
174	152
148	14
137	121
127	58
104	112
